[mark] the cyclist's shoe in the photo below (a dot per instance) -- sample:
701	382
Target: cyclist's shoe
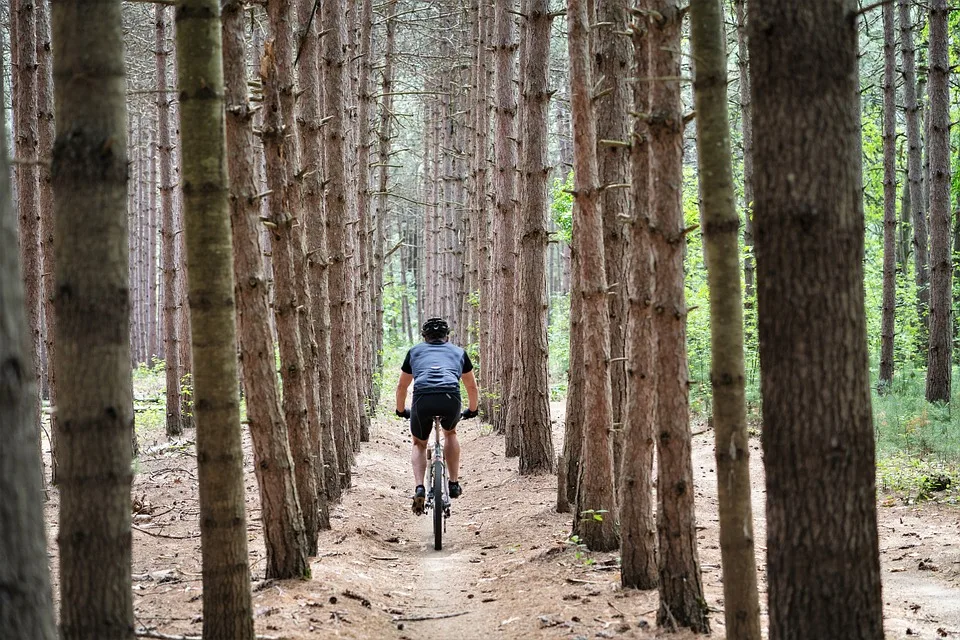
455	490
419	497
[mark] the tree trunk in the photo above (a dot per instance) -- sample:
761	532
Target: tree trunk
532	410
95	403
596	505
939	362
818	449
315	223
889	198
284	538
721	246
681	592
612	54
638	533
45	140
914	167
23	44
275	71
171	328
505	214
26	608
339	248
746	128
227	609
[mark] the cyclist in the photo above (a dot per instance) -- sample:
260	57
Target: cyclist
436	367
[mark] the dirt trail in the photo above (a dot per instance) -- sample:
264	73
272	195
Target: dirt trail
505	571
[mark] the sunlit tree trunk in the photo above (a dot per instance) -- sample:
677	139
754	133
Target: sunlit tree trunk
939	363
26	606
823	567
720	236
92	332
681	590
889	197
596	514
227	609
284	539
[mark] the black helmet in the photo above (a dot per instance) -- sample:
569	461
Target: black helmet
435	329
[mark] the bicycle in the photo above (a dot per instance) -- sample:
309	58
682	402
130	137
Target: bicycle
439	497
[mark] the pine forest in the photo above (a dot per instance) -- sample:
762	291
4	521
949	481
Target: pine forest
650	307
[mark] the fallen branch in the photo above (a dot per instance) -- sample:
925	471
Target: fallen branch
441	616
163	535
384	557
149	633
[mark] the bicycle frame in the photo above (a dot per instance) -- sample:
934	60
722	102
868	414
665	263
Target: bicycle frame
438	470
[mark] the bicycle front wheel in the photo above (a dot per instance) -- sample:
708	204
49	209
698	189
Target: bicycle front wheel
438	506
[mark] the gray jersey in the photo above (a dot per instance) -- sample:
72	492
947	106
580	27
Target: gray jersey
436	367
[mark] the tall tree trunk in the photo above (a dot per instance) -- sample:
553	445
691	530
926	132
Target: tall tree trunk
227	608
612	52
339	246
721	246
26	144
366	340
889	198
532	410
284	538
275	71
45	139
504	219
746	129
596	504
384	139
681	591
914	166
309	129
818	449
95	403
171	328
26	607
939	361
638	533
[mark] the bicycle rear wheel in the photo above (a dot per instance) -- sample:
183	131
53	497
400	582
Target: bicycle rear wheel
438	506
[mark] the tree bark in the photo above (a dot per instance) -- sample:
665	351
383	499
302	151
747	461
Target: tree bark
227	608
339	245
612	53
95	403
26	600
533	409
681	591
309	129
889	198
45	139
23	44
822	548
638	533
275	71
505	213
171	328
596	505
939	363
721	245
286	544
915	167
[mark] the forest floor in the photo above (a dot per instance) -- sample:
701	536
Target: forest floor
507	569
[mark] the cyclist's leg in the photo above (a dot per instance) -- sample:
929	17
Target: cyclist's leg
451	446
421	424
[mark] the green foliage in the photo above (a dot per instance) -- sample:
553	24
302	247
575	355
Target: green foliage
561	206
580	549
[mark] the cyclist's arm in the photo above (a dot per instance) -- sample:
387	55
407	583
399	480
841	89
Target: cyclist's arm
473	393
402	386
